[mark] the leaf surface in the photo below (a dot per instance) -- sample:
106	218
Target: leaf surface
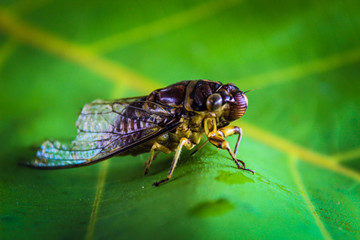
301	131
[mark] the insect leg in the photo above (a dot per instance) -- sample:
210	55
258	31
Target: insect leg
231	130
217	138
149	161
200	147
156	147
183	142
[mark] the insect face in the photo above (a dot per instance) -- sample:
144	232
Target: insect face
233	102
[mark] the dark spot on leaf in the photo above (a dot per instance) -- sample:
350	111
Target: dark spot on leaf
7	218
211	208
233	178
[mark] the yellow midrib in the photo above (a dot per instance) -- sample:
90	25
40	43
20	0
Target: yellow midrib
114	72
292	149
157	27
302	189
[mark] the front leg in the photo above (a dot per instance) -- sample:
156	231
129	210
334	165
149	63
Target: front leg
231	130
217	138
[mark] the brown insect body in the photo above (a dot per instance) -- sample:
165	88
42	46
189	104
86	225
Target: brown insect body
165	120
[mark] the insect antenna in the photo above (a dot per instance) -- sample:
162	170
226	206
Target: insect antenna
251	90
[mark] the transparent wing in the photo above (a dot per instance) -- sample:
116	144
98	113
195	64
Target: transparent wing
107	128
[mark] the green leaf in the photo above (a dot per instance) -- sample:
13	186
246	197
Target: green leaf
301	131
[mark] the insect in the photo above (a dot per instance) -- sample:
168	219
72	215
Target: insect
166	120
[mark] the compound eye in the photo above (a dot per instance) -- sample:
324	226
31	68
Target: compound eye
214	102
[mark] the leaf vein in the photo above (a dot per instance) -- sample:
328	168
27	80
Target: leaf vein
347	156
116	73
100	186
295	150
158	27
300	185
299	71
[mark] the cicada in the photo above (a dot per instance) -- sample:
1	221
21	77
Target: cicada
166	120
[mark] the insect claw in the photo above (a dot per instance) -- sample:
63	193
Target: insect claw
242	163
156	184
249	170
243	167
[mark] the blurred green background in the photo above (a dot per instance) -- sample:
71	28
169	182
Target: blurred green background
301	130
